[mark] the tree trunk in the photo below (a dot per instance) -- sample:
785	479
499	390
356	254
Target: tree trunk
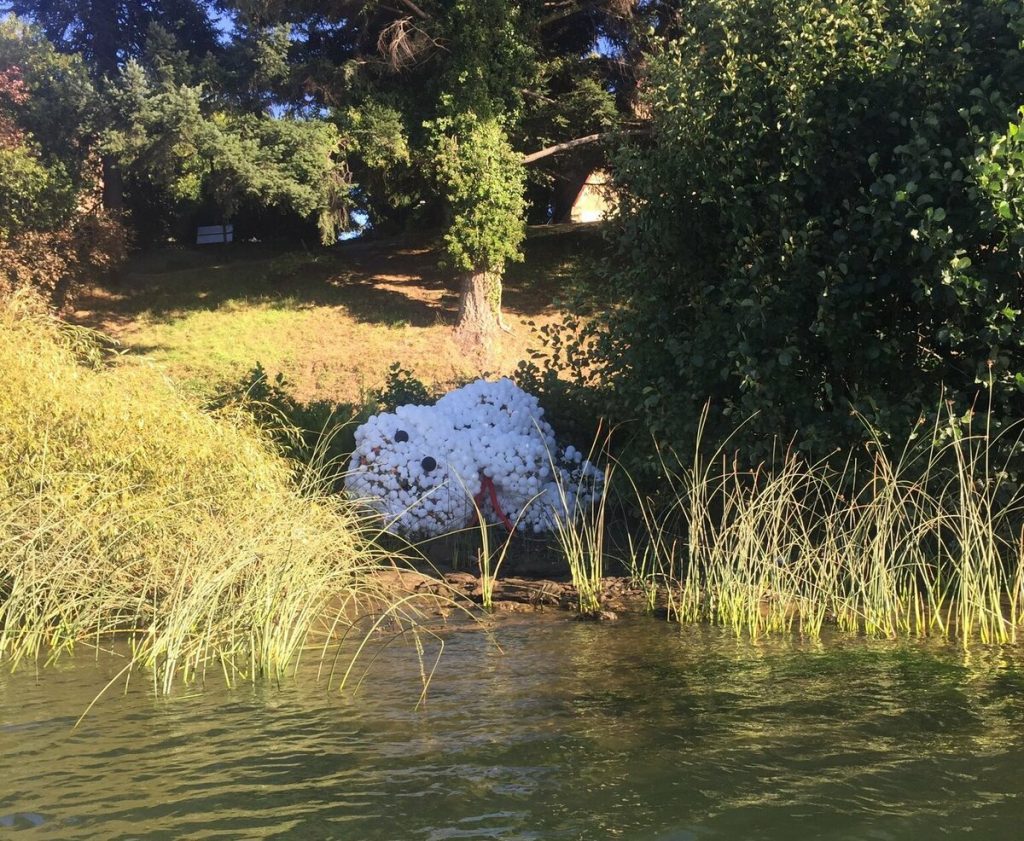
101	22
479	311
113	187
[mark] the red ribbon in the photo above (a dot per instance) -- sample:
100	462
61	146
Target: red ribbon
487	487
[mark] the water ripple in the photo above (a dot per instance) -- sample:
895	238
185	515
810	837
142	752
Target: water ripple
576	731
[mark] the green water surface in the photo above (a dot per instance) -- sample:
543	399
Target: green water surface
633	730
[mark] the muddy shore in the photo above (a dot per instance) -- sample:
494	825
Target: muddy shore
515	594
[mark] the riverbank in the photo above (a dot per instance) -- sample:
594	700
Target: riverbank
129	506
442	592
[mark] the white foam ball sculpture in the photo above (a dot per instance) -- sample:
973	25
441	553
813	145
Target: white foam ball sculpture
422	467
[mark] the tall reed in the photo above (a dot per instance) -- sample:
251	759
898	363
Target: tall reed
924	542
125	510
489	561
578	527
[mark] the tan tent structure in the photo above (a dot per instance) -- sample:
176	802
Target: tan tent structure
596	198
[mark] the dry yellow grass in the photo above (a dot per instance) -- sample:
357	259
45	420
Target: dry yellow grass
125	509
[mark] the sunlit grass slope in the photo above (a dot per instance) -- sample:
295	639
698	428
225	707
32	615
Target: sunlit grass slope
125	508
332	322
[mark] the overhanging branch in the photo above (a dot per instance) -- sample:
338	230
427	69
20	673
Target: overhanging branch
579	141
561	147
416	10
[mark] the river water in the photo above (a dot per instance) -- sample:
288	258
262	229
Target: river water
569	730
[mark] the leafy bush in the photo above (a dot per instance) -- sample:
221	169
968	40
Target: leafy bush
401	387
48	100
559	373
318	435
55	263
828	218
31	194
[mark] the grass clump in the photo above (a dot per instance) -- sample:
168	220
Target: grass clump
927	542
580	536
124	509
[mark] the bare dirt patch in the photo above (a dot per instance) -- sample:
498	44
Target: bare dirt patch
449	590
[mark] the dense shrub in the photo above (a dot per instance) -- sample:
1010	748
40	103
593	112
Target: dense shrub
56	262
401	387
828	218
53	236
317	436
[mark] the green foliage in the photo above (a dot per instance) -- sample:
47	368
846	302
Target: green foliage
532	65
170	138
316	436
378	151
62	107
377	134
483	180
488	59
107	32
998	167
401	387
480	175
827	219
256	64
561	374
587	107
31	195
584	107
382	72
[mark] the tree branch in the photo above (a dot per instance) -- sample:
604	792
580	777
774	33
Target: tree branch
416	10
567	10
582	141
561	147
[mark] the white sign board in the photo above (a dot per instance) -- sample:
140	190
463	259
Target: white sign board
206	234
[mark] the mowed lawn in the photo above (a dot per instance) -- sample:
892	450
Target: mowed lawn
331	321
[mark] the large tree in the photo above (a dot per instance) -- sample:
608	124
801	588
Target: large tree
107	33
190	126
203	155
442	102
486	65
438	106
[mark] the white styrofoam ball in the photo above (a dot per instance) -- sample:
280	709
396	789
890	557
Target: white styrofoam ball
484	431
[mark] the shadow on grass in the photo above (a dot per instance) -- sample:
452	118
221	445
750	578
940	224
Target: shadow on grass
140	349
393	283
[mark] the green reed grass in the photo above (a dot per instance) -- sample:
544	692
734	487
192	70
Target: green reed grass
928	541
581	535
124	510
489	560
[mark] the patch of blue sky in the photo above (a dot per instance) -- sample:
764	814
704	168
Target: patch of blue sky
605	47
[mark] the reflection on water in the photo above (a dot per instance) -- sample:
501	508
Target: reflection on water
571	731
